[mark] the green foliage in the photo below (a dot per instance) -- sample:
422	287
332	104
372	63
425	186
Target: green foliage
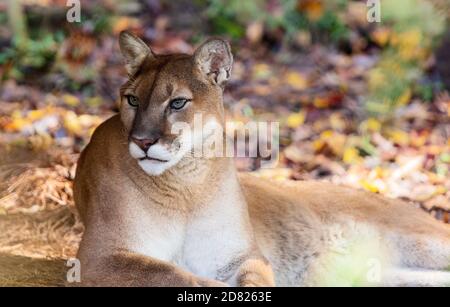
241	11
37	51
407	14
413	26
3	18
331	24
426	91
35	54
99	20
291	20
231	17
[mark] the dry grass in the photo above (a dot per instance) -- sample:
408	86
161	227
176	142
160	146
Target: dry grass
54	234
39	226
37	213
18	271
33	182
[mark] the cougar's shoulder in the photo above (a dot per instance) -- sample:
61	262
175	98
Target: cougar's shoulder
99	155
104	142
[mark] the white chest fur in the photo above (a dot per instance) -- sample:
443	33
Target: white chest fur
156	237
215	238
204	244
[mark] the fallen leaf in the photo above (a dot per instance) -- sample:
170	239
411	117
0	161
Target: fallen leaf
296	80
313	9
351	155
381	35
296	119
399	137
71	100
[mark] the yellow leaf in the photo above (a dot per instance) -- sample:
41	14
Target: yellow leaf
440	190
72	124
296	119
326	134
405	98
296	80
399	137
280	174
378	173
91	131
318	145
381	36
367	185
261	71
409	45
71	100
372	125
410	39
321	102
351	155
86	120
17	125
16	114
36	114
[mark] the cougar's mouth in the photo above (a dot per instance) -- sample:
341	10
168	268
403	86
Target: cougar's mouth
156	160
153	159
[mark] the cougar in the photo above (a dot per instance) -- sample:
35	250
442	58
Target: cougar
155	214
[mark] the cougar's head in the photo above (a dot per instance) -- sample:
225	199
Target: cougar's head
163	95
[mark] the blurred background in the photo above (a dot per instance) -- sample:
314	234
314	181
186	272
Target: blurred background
364	104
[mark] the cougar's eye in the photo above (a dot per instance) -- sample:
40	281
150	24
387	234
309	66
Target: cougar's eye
178	103
132	101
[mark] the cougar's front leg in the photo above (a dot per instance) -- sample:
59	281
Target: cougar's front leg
128	269
255	272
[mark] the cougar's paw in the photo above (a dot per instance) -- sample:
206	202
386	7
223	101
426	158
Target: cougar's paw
255	273
256	280
204	282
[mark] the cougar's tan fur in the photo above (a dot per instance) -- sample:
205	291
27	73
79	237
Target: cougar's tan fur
182	220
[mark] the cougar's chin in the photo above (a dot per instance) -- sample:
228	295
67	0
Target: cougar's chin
154	167
157	160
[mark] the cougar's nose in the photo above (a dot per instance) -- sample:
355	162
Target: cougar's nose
144	144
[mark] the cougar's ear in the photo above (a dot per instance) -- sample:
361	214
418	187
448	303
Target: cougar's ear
134	50
214	59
